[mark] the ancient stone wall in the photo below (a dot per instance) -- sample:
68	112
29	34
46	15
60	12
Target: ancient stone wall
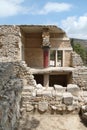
10	96
13	76
79	77
76	60
10	42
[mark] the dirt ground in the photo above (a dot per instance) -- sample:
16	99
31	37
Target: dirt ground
53	122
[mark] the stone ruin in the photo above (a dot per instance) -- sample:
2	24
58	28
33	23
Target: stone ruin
39	74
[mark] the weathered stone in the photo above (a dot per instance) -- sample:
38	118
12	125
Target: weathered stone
34	93
28	88
67	98
29	108
59	88
70	108
39	86
84	108
54	107
58	95
61	107
73	88
39	92
43	106
47	93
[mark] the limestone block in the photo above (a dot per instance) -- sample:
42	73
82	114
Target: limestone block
47	93
84	108
34	93
50	89
29	108
53	107
43	106
67	98
70	108
61	107
73	88
58	95
39	92
28	88
59	88
39	86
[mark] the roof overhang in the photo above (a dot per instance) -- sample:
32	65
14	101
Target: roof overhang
39	28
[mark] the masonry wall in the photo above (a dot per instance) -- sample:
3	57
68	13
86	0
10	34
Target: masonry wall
67	58
33	51
10	96
79	77
56	43
10	42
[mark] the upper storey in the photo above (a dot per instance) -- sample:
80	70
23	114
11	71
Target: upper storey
36	37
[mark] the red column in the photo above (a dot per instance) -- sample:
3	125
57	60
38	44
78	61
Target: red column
45	57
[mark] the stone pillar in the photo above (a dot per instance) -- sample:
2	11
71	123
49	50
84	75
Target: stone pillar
46	80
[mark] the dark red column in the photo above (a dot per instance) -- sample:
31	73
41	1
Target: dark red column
45	57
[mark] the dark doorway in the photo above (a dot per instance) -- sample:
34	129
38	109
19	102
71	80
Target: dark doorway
39	78
58	79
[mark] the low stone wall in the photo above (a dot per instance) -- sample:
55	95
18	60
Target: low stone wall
51	100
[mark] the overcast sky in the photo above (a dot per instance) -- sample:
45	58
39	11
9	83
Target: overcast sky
70	15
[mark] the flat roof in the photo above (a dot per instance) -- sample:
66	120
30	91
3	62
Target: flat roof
39	28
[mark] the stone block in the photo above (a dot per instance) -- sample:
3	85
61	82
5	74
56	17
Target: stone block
57	95
61	107
29	108
39	86
53	107
34	93
47	93
39	92
84	108
43	106
67	98
73	88
70	108
28	88
59	88
50	89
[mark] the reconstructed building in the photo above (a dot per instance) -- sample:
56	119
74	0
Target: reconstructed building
38	72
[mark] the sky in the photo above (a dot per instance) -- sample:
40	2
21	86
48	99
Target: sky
70	15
